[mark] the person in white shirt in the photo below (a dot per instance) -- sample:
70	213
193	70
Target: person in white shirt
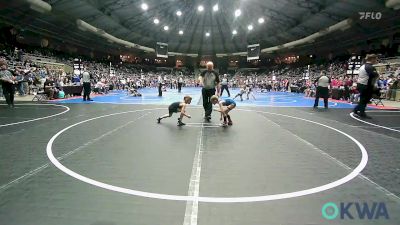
86	85
323	82
224	85
160	83
123	83
367	78
101	86
180	83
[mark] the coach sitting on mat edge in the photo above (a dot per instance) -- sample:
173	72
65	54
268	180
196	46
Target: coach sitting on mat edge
210	81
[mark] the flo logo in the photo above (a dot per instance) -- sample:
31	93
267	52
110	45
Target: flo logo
370	15
355	210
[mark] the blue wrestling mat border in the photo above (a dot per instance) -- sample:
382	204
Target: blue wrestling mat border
150	96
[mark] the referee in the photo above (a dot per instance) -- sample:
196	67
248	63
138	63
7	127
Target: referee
323	82
224	85
180	83
367	77
210	80
160	84
86	86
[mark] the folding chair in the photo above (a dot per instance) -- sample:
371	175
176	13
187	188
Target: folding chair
39	95
378	97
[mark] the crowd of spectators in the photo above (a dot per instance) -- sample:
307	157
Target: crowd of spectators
32	77
302	80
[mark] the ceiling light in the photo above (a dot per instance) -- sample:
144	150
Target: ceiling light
156	21
166	27
238	12
179	13
260	20
215	7
250	27
207	34
200	8
180	32
144	6
234	32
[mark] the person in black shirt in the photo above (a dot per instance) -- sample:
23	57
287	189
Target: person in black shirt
50	89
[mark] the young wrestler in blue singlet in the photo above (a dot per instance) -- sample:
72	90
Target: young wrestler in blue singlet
177	107
225	106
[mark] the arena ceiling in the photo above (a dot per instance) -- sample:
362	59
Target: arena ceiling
205	32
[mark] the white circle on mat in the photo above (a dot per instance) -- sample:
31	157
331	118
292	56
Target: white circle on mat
36	119
354	173
373	124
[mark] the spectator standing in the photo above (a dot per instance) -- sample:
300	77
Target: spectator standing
382	83
7	83
19	78
347	85
335	83
42	73
393	87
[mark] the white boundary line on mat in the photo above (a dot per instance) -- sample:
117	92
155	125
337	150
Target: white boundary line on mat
373	124
44	166
192	207
383	111
353	174
36	119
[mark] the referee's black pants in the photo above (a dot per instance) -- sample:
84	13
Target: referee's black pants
180	87
365	96
86	91
225	87
207	93
8	92
322	92
159	89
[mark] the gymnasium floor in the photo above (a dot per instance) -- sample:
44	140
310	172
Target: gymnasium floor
109	164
